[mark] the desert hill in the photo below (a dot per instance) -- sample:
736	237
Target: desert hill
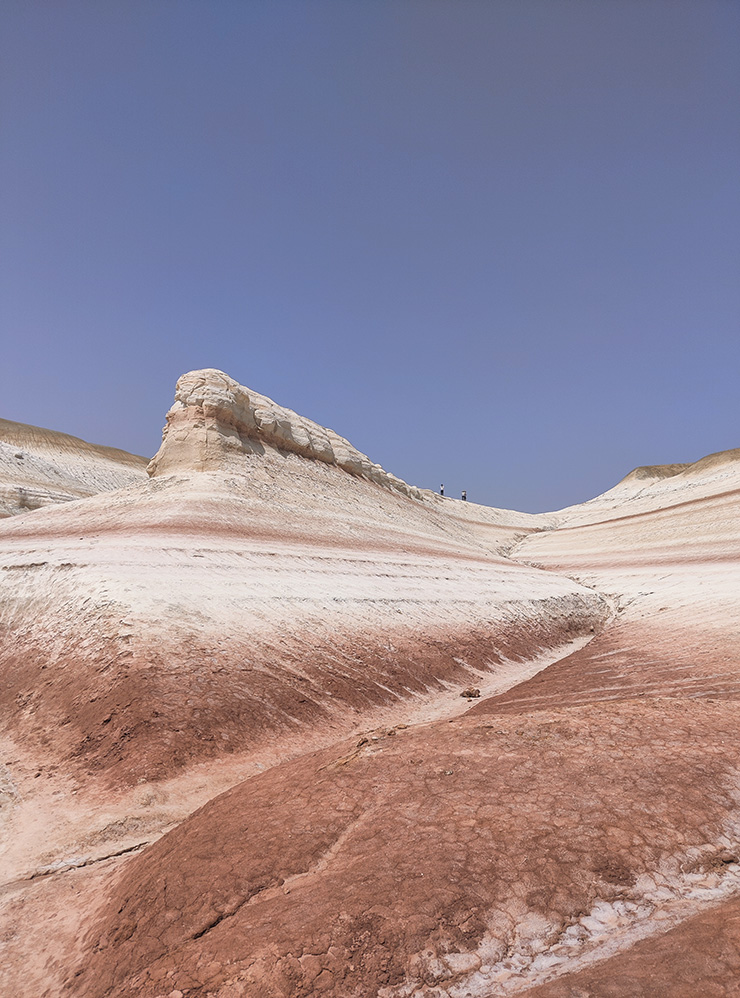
238	758
649	489
39	467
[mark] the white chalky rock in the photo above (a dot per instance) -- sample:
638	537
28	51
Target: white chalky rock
215	422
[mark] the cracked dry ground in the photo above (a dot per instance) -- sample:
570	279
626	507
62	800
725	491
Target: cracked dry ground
471	857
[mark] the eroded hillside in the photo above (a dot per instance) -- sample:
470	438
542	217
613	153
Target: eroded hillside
238	758
41	467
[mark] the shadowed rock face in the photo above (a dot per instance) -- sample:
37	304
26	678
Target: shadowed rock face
243	679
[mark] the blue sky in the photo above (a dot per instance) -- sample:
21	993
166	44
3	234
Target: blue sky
495	243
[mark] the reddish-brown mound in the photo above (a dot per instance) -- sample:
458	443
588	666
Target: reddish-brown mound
635	658
186	701
460	855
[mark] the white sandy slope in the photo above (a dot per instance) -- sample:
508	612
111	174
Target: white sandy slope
39	467
666	549
658	487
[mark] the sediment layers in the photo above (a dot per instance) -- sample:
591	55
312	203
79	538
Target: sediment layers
239	761
673	567
198	615
216	424
39	467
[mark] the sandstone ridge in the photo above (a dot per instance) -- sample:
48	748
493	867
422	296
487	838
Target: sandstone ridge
215	423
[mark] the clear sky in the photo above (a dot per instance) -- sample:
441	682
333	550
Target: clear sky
494	243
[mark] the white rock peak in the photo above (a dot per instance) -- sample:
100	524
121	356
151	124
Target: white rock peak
215	422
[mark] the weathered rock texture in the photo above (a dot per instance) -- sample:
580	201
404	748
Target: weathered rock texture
39	467
215	423
215	621
463	860
238	762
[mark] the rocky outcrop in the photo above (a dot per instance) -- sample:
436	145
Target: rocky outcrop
573	818
215	423
40	467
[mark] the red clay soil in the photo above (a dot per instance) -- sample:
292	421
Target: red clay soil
436	856
698	959
128	715
634	658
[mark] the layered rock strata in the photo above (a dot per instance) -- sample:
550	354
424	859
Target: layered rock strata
568	821
41	467
230	618
286	635
216	422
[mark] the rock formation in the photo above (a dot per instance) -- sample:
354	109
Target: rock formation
238	761
216	423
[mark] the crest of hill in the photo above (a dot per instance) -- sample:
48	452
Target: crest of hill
39	467
215	422
657	472
652	487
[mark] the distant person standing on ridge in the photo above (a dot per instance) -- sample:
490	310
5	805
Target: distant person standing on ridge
464	496
441	490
